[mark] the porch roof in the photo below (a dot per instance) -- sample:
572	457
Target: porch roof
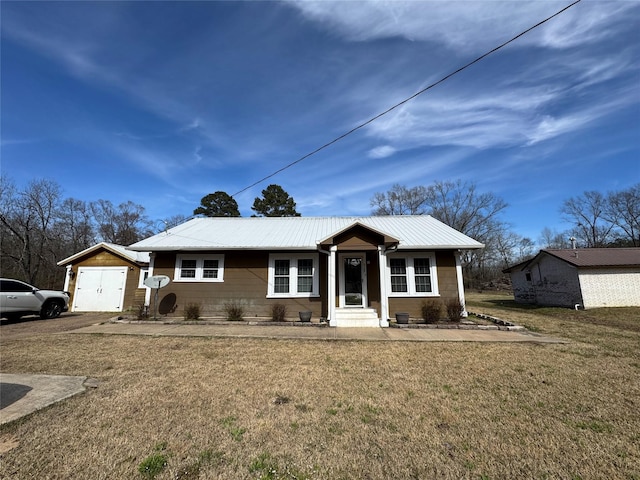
301	233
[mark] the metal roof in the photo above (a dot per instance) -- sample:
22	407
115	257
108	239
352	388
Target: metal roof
138	257
301	233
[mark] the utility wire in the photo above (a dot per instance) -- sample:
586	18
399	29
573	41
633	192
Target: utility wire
372	119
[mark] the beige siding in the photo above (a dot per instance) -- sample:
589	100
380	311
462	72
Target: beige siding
610	288
245	283
246	278
133	296
447	286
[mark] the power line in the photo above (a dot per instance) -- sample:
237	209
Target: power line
420	92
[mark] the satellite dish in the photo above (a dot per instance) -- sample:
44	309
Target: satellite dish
157	281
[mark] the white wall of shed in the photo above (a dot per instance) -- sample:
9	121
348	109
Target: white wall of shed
610	288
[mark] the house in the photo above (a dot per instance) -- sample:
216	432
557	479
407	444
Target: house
106	278
353	271
579	278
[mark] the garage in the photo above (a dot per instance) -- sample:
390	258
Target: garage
100	289
106	278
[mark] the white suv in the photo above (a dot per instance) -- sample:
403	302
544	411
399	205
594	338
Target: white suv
18	299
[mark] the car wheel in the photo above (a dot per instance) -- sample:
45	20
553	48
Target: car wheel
51	309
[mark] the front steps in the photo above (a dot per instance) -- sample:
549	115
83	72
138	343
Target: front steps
356	317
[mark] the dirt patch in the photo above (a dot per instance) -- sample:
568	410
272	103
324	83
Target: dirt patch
8	443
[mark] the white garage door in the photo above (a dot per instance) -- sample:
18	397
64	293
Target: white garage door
99	289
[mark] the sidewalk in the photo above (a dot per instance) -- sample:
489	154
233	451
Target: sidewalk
297	332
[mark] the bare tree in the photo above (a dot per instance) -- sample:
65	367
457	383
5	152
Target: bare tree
552	239
74	226
622	210
27	218
400	200
123	225
587	215
459	205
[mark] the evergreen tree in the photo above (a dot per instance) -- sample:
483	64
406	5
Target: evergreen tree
218	204
275	202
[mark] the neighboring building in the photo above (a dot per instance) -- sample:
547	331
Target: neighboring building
353	271
106	278
579	278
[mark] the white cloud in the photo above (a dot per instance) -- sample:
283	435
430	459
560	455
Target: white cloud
382	151
468	26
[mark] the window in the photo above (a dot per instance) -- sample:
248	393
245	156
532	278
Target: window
422	274
527	276
305	275
210	268
293	275
144	274
281	276
398	274
412	274
199	268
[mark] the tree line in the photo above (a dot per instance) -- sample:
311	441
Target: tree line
595	220
39	226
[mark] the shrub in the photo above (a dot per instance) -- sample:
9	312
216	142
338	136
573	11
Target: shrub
234	310
278	312
142	312
431	311
454	309
192	311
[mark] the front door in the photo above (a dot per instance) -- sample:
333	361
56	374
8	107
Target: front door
353	284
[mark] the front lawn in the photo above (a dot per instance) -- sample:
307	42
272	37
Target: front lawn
222	408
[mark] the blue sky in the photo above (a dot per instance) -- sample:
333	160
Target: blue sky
162	103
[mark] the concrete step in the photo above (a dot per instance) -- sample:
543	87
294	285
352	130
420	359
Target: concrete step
357	317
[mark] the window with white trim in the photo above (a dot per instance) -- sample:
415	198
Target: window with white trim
144	274
199	268
412	275
293	275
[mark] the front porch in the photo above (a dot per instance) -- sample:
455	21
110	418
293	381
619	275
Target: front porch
368	277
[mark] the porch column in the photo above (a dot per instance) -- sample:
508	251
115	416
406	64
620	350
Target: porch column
147	293
460	284
384	300
67	277
331	300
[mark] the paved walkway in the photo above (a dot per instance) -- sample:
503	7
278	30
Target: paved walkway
21	395
312	332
